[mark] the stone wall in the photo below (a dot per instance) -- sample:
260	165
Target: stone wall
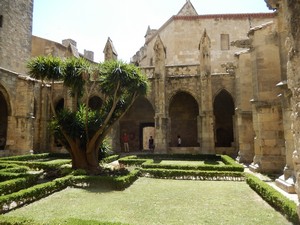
15	34
18	92
181	36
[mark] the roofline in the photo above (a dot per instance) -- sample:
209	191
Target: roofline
213	16
227	16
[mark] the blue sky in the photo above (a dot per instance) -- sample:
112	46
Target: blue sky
91	22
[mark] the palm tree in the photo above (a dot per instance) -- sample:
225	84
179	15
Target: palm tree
82	130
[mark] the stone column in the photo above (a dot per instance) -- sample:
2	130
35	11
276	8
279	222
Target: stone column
207	140
266	107
161	118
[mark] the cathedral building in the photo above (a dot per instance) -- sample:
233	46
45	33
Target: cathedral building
225	84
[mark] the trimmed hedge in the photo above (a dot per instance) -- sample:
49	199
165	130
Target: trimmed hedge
71	221
150	164
193	174
16	199
36	156
48	165
274	198
110	159
148	161
17	184
117	182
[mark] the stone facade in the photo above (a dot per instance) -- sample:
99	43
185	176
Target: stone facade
16	90
224	83
191	65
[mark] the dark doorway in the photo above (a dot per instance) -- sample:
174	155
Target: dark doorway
59	105
3	121
95	103
139	116
146	130
223	112
184	112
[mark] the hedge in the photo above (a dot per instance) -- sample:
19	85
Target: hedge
10	220
52	164
274	198
16	199
36	156
110	159
193	174
17	184
148	161
115	182
150	164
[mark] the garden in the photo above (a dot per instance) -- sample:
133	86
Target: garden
141	189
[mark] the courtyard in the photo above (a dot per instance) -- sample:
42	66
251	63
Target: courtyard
154	201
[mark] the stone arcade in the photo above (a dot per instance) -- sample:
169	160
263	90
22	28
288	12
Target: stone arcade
225	83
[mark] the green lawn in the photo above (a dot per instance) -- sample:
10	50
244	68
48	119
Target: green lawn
158	201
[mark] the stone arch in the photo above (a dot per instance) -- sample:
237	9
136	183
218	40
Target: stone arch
95	102
5	111
183	112
223	107
139	116
59	104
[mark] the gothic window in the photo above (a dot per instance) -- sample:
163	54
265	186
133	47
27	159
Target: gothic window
1	20
224	41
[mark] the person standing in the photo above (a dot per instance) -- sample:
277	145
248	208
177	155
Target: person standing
178	141
151	143
125	140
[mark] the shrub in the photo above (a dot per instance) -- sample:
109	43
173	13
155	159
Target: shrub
193	174
17	184
274	198
33	193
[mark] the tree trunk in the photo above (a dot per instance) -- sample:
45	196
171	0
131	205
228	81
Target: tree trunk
92	159
79	160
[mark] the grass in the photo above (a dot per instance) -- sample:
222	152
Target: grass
157	201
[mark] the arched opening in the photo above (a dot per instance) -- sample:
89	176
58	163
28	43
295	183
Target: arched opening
223	112
137	123
59	105
183	112
147	130
95	103
3	121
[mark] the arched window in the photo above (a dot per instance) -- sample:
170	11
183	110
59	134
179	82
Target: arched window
95	103
223	112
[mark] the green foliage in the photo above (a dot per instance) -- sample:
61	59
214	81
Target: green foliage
147	162
127	76
115	182
105	150
34	193
26	157
110	159
45	68
193	174
74	73
70	221
17	184
274	198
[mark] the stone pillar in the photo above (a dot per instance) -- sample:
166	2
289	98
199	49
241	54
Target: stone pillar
286	181
243	112
207	137
161	118
266	107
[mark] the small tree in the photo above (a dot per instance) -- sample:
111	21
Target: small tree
80	129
